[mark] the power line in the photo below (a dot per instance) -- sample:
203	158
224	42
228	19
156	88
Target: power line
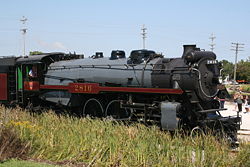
24	31
143	35
236	47
212	37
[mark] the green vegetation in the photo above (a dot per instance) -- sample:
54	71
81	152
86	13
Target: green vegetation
242	73
243	70
232	89
228	69
106	143
36	53
20	163
245	88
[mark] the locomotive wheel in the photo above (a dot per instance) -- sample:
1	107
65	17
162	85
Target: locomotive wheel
93	108
114	110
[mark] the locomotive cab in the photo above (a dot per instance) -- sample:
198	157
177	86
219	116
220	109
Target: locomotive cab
30	75
29	78
31	71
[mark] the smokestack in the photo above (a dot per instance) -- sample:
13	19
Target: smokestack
187	48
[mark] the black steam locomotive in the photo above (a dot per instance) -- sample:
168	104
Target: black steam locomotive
170	92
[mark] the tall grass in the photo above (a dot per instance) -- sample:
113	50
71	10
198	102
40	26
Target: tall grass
107	143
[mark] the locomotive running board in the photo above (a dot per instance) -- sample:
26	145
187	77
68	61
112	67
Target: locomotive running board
95	88
212	110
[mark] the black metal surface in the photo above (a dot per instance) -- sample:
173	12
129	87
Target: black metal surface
48	58
117	54
7	61
139	56
187	48
194	56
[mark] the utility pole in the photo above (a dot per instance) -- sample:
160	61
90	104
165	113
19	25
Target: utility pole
24	31
236	47
212	37
143	35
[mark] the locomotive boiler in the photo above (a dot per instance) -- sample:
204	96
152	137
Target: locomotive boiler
170	92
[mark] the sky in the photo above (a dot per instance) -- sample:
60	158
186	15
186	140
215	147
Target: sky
89	26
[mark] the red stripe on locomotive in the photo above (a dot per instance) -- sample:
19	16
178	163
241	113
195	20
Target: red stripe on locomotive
54	87
94	88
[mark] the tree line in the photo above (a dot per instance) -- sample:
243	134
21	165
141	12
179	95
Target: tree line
242	72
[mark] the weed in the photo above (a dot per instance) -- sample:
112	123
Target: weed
11	146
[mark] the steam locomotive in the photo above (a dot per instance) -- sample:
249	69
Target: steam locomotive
171	92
